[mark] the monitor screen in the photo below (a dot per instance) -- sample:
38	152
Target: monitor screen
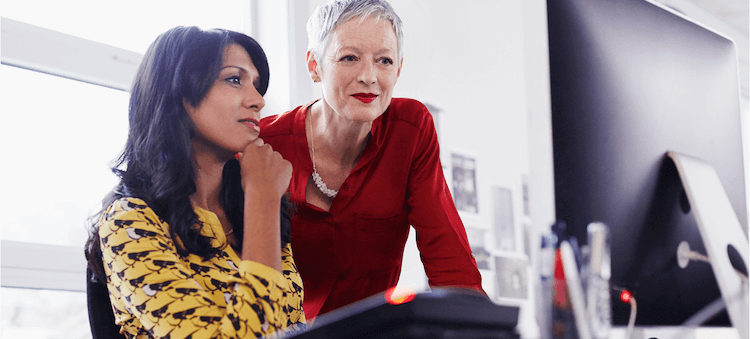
631	80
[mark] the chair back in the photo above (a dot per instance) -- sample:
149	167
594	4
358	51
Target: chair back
101	317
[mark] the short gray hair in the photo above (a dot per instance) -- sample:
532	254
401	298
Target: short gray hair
330	15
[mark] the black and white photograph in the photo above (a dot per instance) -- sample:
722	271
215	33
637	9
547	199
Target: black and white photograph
502	218
476	235
463	168
511	277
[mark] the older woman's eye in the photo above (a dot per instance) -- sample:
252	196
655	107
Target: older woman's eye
348	58
387	61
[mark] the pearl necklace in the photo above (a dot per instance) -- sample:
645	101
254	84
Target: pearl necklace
316	177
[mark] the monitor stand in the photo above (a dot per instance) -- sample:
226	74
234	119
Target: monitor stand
725	242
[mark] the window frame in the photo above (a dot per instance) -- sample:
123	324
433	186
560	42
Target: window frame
27	46
43	266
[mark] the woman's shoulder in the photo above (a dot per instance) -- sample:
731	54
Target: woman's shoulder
129	208
276	123
409	110
126	204
130	218
281	124
408	103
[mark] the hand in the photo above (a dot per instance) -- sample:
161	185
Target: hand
265	178
264	171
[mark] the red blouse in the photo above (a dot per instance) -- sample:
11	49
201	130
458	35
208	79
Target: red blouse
354	250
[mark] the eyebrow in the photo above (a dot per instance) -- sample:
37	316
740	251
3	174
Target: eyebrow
355	49
241	69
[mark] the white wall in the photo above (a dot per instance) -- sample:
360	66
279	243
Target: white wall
484	64
467	59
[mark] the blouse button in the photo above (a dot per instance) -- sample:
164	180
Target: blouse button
346	187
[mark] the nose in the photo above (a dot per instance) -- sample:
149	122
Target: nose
252	98
368	73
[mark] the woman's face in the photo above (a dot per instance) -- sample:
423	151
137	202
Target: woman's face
359	68
227	118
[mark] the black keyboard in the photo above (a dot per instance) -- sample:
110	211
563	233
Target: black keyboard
442	313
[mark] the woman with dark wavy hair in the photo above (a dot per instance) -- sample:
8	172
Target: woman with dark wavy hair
194	240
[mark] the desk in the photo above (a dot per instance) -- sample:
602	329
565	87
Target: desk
676	332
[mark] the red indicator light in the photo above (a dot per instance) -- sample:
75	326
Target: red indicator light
399	295
625	296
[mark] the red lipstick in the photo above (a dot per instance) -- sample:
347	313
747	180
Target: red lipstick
365	97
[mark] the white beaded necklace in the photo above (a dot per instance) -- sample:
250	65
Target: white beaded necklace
316	177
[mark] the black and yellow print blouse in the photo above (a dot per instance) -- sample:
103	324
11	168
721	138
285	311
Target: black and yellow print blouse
157	293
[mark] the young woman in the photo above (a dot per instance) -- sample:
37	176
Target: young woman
193	243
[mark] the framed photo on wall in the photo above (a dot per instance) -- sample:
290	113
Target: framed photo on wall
464	181
477	235
511	278
503	221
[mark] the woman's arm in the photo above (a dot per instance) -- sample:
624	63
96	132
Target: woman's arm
265	178
441	236
154	289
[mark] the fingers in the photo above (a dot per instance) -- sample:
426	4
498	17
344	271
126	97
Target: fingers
257	142
264	168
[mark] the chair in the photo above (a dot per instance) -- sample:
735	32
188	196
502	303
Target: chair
101	317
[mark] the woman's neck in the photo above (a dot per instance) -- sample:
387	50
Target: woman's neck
208	173
336	137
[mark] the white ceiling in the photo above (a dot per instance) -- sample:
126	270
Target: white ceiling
733	12
730	17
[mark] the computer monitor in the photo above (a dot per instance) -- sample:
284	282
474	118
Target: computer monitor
631	80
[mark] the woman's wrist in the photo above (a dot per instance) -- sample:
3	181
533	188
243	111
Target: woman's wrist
262	230
261	196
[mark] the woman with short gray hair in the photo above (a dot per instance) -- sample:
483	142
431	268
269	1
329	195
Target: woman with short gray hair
366	166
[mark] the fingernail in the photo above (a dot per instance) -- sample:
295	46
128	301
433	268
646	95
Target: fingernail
237	156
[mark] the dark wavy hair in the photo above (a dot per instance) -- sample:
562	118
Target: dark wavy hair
180	66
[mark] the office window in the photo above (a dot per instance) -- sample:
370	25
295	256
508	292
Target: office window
64	122
131	24
57	138
43	314
59	135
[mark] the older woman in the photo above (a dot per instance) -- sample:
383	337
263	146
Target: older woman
365	166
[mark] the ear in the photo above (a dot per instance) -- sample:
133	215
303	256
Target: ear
312	66
400	64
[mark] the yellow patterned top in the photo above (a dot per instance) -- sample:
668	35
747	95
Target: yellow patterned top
157	293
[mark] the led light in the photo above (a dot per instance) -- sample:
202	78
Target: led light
399	295
625	296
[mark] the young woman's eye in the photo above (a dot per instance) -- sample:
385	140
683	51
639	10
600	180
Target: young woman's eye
235	79
348	58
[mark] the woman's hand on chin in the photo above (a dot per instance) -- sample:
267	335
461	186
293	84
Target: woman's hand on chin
264	171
